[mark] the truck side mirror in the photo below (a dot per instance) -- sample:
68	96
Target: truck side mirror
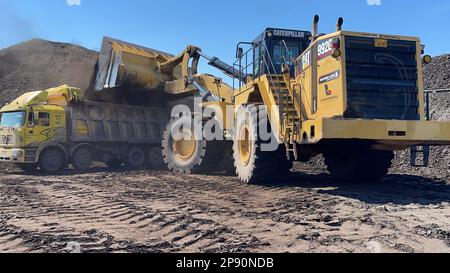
239	53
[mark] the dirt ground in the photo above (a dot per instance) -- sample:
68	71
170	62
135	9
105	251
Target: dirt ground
156	211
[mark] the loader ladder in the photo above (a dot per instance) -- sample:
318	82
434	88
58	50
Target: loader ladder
277	94
280	90
289	118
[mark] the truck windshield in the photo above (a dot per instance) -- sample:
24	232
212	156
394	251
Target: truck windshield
12	119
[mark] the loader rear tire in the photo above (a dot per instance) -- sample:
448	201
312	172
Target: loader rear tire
253	164
359	165
226	165
189	155
52	160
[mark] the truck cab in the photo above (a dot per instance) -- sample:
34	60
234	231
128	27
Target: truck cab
12	135
28	124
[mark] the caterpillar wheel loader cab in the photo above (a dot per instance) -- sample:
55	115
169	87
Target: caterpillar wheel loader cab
353	97
277	44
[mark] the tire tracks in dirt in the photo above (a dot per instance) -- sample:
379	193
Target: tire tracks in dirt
145	211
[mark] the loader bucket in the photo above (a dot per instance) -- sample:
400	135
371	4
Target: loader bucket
124	64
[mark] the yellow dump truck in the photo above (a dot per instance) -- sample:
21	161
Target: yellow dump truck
54	128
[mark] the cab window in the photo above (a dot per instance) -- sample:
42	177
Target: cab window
44	119
38	119
279	51
12	119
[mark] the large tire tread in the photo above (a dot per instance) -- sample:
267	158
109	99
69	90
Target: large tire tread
359	165
265	166
207	158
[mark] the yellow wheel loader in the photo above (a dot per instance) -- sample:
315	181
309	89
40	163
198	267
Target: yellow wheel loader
353	97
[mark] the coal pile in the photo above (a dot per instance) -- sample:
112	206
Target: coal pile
40	64
436	76
437	73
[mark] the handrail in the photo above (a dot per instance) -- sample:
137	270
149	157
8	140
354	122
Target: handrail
265	60
281	99
283	42
437	91
238	64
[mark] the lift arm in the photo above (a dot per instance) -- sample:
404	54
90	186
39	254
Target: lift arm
127	66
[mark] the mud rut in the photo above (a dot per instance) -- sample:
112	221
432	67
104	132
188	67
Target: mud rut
145	211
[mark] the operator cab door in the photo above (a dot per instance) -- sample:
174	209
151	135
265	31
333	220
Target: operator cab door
284	52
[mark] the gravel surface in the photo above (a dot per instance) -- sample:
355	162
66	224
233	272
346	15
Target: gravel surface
157	211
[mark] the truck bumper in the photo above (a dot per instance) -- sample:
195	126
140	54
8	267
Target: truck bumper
13	156
389	132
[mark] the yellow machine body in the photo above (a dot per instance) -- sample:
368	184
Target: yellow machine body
129	66
315	101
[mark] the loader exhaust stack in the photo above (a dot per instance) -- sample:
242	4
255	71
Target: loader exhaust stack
339	24
315	27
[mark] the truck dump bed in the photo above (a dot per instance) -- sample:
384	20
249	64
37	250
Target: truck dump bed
103	122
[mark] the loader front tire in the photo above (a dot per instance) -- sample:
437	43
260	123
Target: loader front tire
358	165
189	155
253	164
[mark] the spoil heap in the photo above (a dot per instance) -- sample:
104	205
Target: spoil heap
39	64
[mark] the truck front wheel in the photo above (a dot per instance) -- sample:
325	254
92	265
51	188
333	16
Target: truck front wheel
52	160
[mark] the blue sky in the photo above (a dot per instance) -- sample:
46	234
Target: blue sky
215	26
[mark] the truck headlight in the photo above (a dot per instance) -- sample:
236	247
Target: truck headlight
16	153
